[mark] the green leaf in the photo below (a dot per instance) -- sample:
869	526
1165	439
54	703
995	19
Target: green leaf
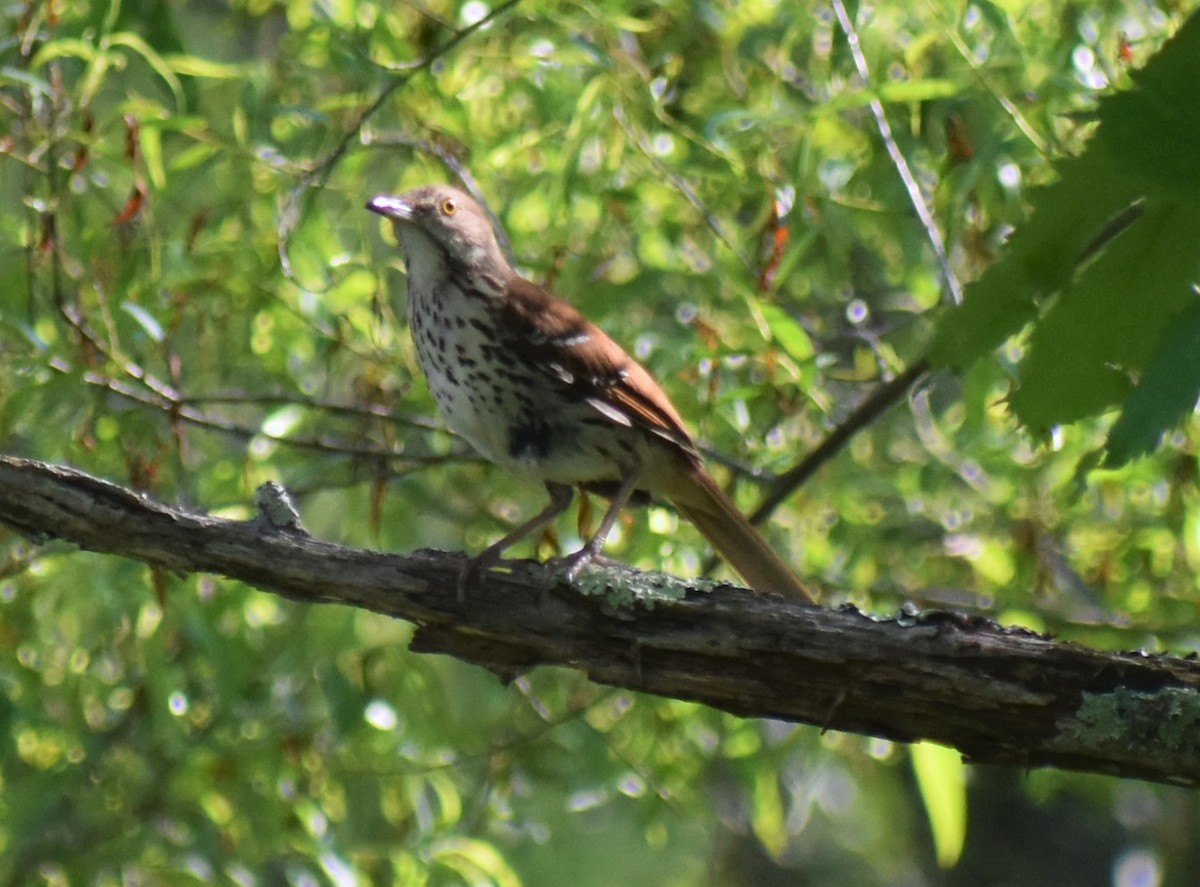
923	90
65	48
942	780
767	815
135	43
149	324
194	66
475	862
787	332
1104	328
1038	260
1107	260
152	154
1165	394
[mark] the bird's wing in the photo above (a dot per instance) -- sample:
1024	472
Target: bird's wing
556	336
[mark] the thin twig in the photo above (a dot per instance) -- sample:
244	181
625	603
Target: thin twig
870	409
177	407
1004	101
354	410
1111	229
897	156
877	403
681	185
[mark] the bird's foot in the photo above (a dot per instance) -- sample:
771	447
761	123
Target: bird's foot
569	566
572	565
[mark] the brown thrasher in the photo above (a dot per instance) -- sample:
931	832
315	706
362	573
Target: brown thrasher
544	393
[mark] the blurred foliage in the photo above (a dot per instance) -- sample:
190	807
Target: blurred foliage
1124	324
193	301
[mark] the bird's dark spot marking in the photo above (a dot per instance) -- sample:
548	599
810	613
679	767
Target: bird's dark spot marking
530	439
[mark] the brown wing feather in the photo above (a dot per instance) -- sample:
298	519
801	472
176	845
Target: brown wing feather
559	337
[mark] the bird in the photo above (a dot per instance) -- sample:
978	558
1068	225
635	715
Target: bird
539	390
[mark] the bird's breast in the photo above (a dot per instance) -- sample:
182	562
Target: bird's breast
515	411
468	375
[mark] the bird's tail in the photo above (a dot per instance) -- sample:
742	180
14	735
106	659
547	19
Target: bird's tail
705	504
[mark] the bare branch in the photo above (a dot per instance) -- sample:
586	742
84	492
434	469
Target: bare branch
1000	696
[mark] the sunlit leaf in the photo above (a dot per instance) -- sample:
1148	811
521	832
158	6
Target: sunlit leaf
145	319
787	332
476	862
767	815
941	777
154	60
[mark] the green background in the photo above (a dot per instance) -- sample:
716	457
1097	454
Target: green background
193	301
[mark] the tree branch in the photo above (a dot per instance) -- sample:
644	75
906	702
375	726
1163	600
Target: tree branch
1001	696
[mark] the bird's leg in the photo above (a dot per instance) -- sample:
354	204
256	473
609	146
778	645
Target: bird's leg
591	549
560	499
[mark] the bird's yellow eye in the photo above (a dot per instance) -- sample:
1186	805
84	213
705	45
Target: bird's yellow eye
449	207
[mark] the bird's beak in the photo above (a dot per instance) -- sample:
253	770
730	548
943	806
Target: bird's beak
394	208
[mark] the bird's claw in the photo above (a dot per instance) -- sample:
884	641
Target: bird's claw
572	565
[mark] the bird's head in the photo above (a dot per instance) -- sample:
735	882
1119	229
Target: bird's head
442	224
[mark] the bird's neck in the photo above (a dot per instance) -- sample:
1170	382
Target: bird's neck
430	265
424	258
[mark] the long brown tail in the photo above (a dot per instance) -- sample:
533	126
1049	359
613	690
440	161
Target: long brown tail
735	539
